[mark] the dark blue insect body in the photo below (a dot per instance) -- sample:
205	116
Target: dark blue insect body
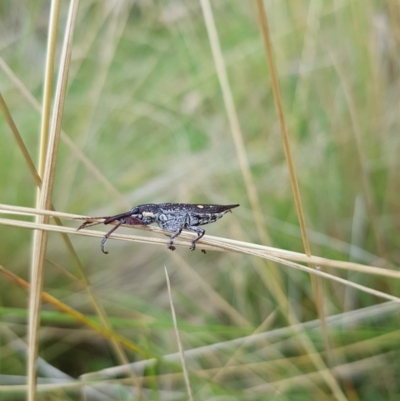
171	217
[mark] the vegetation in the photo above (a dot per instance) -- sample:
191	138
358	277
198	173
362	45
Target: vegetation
147	119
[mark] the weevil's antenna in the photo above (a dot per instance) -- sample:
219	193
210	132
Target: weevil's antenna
103	241
107	220
89	223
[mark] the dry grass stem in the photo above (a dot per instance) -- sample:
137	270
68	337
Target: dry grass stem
208	242
317	284
40	236
178	338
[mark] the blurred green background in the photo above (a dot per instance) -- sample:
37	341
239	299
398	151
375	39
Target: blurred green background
146	119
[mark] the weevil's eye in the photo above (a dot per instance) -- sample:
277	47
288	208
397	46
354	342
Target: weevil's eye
134	211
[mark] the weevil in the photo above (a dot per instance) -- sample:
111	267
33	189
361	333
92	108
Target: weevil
171	217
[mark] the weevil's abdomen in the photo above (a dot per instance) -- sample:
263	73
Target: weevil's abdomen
192	214
194	208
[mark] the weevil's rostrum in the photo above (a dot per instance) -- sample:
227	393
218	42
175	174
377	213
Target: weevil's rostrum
171	217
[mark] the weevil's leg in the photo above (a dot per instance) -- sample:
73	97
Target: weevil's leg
103	241
171	240
200	232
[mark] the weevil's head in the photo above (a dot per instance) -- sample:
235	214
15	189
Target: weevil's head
147	214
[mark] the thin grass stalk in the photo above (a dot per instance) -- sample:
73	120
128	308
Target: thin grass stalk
264	28
178	338
263	22
48	87
219	245
20	142
316	282
40	236
208	241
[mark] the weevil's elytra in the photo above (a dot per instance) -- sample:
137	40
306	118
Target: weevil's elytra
171	217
